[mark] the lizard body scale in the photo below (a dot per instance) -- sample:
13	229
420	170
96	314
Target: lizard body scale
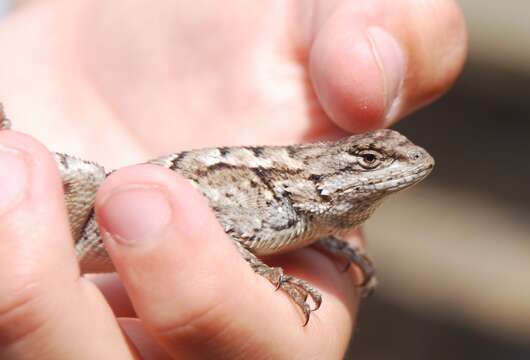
269	199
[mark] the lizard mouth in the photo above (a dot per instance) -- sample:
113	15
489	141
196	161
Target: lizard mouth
396	181
404	179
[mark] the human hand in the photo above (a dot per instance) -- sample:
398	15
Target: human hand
164	298
186	292
146	79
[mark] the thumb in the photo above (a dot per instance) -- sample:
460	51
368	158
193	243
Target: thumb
372	62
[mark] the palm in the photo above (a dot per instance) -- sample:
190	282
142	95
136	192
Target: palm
250	85
131	80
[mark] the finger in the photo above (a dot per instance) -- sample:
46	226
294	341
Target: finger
116	296
44	307
112	289
372	62
188	283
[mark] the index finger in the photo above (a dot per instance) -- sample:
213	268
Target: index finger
191	288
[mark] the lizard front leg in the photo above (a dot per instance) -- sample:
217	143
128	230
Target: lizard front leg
354	256
81	180
297	289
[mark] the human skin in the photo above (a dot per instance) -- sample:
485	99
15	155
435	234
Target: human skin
123	81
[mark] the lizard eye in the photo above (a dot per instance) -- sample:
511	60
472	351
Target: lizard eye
369	159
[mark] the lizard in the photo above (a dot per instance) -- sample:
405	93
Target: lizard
269	199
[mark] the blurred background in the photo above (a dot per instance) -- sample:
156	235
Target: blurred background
453	254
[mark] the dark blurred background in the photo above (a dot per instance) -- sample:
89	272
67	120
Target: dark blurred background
453	254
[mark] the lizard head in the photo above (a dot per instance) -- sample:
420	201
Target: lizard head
362	169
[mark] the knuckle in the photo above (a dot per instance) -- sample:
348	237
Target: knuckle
19	313
202	328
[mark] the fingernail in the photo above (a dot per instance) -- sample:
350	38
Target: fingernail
136	214
13	177
391	60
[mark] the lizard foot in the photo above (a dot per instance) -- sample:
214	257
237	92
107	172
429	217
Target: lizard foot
297	289
354	256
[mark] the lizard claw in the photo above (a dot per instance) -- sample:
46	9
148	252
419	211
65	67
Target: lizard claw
297	289
353	256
